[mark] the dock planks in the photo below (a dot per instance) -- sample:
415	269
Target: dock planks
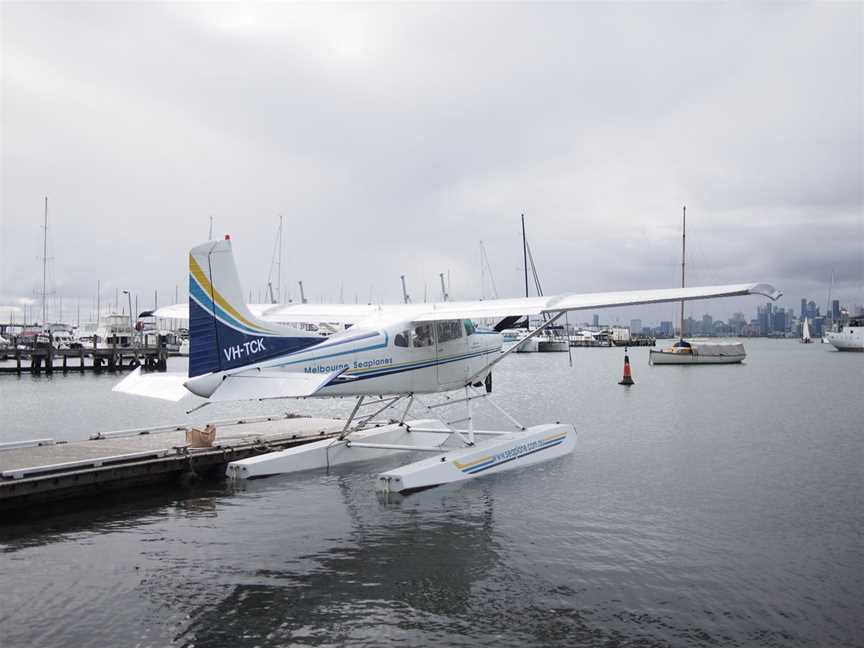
51	472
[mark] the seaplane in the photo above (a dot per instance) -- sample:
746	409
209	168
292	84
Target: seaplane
390	358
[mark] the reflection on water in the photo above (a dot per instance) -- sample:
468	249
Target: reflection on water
386	570
700	508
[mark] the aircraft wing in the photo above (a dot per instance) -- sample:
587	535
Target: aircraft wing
258	384
489	308
494	308
317	313
300	313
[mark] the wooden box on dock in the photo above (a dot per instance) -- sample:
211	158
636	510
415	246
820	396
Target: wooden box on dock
196	438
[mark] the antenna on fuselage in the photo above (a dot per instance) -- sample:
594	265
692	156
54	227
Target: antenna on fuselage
406	298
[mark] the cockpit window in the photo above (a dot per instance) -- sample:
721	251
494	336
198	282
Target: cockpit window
401	339
449	330
469	327
421	336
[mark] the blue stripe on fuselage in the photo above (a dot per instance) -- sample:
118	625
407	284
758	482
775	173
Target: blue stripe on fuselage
412	367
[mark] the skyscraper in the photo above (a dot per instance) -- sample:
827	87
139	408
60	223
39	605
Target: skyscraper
779	320
803	307
835	310
635	327
763	314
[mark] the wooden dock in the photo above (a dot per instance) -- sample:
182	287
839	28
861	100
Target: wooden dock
637	340
41	470
49	360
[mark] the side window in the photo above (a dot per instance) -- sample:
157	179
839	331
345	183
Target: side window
421	336
449	330
401	339
469	327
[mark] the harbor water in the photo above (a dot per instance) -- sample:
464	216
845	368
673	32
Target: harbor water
704	506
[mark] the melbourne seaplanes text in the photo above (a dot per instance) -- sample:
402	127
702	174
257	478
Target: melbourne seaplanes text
362	364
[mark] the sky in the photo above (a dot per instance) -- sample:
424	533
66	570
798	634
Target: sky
393	138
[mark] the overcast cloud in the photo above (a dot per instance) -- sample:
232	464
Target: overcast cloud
393	138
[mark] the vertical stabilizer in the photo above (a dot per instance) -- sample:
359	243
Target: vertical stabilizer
223	333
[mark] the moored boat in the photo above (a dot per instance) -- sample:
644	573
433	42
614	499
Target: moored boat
553	345
850	337
697	352
531	345
805	332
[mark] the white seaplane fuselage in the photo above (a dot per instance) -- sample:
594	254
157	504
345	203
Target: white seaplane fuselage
392	358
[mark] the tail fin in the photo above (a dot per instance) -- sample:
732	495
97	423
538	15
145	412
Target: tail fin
223	334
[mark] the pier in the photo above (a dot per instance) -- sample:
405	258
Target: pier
49	360
637	340
40	471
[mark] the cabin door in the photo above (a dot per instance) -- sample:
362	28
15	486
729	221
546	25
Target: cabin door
451	347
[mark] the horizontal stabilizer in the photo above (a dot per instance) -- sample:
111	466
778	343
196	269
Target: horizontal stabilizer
165	386
258	384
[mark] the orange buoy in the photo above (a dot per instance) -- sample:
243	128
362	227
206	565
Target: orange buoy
627	379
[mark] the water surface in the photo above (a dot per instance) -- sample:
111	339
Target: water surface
705	506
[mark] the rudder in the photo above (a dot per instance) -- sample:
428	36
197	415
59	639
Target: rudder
223	333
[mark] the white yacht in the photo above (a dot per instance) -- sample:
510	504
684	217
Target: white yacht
552	343
697	352
515	336
113	330
62	336
850	337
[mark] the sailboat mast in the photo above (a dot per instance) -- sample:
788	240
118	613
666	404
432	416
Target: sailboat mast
525	265
279	263
482	272
525	254
683	258
44	260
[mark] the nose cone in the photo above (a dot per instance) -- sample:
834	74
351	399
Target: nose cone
205	385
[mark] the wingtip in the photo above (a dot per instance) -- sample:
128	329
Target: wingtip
766	290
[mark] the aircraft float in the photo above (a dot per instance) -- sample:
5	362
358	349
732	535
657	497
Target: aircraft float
391	355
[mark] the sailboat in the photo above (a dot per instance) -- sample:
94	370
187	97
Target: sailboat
695	352
531	345
552	339
805	332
